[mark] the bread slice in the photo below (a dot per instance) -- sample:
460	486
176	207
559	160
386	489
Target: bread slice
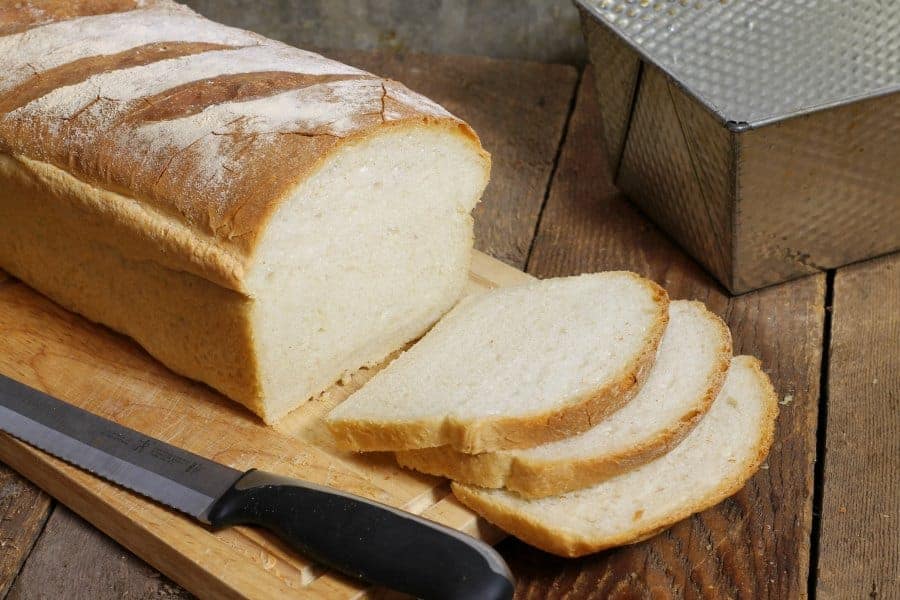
257	217
712	463
512	368
686	377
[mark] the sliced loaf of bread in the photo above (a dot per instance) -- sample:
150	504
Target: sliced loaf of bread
686	377
257	217
513	368
713	462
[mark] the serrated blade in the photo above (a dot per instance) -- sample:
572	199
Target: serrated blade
162	472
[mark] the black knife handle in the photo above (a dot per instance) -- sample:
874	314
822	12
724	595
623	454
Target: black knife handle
365	539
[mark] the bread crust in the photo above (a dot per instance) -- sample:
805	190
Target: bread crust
504	433
537	478
87	261
570	544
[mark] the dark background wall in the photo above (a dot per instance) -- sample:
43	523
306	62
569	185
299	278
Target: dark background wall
545	30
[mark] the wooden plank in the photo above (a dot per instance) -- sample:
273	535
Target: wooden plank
859	546
755	544
23	511
519	110
68	563
82	363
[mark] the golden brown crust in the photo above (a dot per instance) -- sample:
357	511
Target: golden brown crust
487	469
570	544
536	478
55	242
78	70
137	231
504	433
191	98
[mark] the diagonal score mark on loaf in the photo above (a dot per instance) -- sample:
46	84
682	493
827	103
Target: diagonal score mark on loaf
40	49
77	71
195	97
219	121
17	17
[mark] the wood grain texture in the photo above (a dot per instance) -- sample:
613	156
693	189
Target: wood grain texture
87	365
859	546
519	110
23	511
755	544
67	562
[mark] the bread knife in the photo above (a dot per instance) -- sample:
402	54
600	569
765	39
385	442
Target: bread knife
366	540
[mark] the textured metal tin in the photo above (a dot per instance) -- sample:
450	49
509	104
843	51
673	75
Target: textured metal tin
817	192
757	61
616	84
680	189
761	172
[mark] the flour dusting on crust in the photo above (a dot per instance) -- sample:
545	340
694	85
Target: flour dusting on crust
26	54
106	95
417	102
334	108
322	109
337	108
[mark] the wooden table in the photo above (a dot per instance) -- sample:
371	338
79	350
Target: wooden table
820	519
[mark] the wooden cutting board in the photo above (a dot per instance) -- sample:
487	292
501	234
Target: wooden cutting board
92	367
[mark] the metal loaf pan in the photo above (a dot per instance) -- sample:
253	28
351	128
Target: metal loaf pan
763	135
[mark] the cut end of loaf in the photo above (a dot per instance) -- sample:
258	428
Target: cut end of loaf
513	368
711	464
364	256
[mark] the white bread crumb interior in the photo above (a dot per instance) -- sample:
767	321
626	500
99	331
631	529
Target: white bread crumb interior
686	376
509	357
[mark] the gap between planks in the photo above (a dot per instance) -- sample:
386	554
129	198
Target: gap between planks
22	522
821	433
858	546
562	142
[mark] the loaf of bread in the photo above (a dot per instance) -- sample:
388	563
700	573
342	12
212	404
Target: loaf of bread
685	378
257	217
513	368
